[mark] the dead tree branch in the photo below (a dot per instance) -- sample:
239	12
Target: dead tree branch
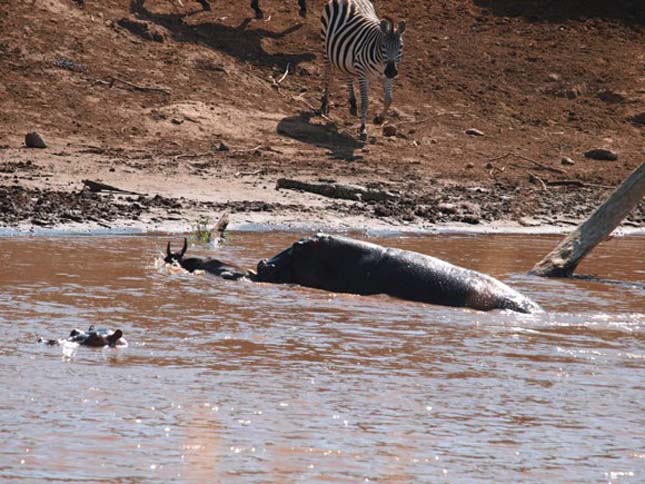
335	190
563	260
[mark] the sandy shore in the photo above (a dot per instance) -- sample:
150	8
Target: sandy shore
42	193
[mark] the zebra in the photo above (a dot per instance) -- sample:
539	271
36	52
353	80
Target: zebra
255	5
361	45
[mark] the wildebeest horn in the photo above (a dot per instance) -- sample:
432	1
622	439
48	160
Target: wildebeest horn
185	247
168	248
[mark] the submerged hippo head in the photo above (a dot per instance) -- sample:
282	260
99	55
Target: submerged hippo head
97	337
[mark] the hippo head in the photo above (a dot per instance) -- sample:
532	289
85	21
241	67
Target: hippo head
97	337
313	262
175	257
278	269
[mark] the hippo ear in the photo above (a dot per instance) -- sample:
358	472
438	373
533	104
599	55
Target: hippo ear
184	248
114	337
168	249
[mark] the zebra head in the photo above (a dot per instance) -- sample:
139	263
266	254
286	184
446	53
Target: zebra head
391	45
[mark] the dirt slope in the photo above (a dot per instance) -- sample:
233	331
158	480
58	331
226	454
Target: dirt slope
543	81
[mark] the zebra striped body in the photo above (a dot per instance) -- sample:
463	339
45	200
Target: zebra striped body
361	46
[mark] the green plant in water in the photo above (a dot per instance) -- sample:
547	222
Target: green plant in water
201	230
203	233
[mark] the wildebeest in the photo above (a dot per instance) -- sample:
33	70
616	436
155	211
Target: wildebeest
96	337
212	266
341	264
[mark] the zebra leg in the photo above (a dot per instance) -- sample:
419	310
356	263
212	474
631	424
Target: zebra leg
364	84
387	90
387	101
324	102
255	5
352	97
303	8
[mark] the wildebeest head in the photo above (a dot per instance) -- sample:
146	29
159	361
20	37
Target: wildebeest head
172	257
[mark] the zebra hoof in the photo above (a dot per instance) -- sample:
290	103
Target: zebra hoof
303	13
259	14
353	110
379	118
363	136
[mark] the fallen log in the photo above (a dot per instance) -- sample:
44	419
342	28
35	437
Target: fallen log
563	260
336	190
94	186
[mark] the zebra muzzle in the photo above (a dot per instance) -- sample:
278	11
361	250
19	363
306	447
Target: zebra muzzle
390	70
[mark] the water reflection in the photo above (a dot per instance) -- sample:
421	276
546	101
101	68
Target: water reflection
227	380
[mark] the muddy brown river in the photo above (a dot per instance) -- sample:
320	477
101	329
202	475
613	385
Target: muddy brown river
231	381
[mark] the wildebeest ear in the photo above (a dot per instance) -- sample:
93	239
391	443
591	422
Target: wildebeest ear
386	26
168	249
185	247
401	27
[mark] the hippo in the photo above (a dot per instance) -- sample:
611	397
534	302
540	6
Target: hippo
212	266
345	265
96	337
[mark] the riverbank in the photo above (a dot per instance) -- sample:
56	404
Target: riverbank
199	112
47	191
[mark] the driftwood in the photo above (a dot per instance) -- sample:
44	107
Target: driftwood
563	260
335	190
539	165
102	187
112	80
217	235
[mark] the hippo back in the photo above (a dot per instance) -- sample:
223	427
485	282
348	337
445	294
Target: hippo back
341	264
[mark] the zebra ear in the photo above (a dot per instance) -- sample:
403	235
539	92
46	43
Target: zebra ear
386	26
401	27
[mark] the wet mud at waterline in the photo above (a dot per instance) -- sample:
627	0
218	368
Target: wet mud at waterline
234	380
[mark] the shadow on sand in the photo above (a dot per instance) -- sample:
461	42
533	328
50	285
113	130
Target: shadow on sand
299	127
626	11
239	42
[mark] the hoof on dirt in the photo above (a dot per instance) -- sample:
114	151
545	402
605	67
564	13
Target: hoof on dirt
353	111
363	136
379	119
